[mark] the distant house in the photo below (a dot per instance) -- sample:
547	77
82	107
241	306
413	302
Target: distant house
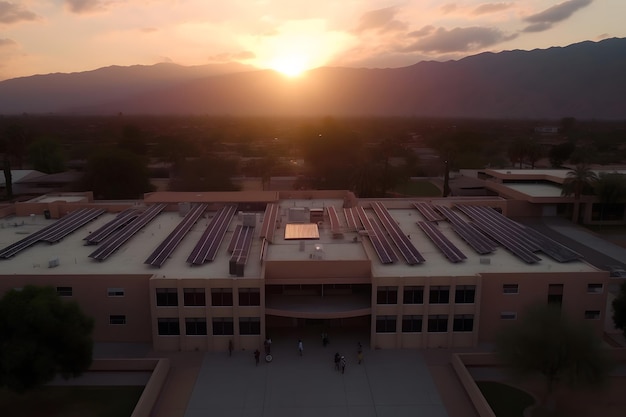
32	182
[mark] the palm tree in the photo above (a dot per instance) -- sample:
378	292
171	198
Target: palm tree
577	182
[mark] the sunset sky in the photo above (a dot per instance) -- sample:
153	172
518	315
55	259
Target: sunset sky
44	36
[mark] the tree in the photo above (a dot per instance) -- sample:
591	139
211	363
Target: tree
41	336
113	174
546	342
610	188
577	182
46	155
13	142
561	153
619	309
209	173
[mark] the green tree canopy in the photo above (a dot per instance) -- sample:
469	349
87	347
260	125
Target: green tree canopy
619	309
113	173
209	173
46	155
545	341
41	336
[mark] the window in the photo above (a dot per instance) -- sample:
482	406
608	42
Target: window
221	297
249	325
510	288
385	324
414	295
439	294
464	294
592	314
194	297
412	324
438	323
117	319
508	315
387	295
463	323
168	326
595	288
195	326
555	294
167	297
249	296
64	291
115	292
222	326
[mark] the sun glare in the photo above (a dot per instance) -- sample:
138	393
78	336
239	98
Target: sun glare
291	66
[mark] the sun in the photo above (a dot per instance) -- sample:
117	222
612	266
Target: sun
291	65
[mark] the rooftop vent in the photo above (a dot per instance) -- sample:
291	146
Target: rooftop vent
485	261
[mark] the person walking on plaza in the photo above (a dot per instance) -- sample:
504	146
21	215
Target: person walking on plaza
343	364
337	360
359	353
300	347
257	355
230	347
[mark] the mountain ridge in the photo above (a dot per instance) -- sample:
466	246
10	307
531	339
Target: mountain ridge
583	80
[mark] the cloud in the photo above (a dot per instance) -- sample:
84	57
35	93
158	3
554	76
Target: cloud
544	20
84	6
426	30
149	30
230	57
491	8
5	43
448	8
13	13
459	40
381	20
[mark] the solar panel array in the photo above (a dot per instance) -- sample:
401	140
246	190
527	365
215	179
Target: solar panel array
428	211
210	241
116	240
54	232
164	250
351	218
269	221
554	249
449	250
241	249
507	236
409	252
112	226
335	225
474	237
377	237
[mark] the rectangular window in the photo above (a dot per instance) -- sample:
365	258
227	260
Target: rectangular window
555	294
249	325
510	288
167	297
387	295
195	326
221	297
463	323
412	323
117	319
222	326
194	297
64	291
508	315
115	292
414	295
439	294
438	323
249	296
595	288
168	326
464	294
592	314
385	324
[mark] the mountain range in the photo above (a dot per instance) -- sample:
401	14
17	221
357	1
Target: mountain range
584	80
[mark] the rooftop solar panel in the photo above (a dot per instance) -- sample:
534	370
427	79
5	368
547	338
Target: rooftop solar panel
409	252
427	211
210	241
269	221
121	220
379	241
448	248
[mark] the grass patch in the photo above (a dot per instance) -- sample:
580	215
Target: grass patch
505	401
79	401
418	189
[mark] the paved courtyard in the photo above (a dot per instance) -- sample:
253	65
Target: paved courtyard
388	383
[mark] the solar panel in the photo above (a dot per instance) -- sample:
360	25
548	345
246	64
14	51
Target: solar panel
335	226
476	239
210	241
409	252
241	250
554	249
121	220
269	221
75	224
160	255
115	241
427	211
443	243
374	232
351	219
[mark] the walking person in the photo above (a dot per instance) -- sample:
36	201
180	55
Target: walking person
337	360
300	347
359	353
257	355
343	364
230	347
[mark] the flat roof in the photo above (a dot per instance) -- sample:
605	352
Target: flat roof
347	245
536	190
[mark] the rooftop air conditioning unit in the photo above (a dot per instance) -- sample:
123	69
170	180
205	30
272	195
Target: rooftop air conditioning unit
485	261
54	262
